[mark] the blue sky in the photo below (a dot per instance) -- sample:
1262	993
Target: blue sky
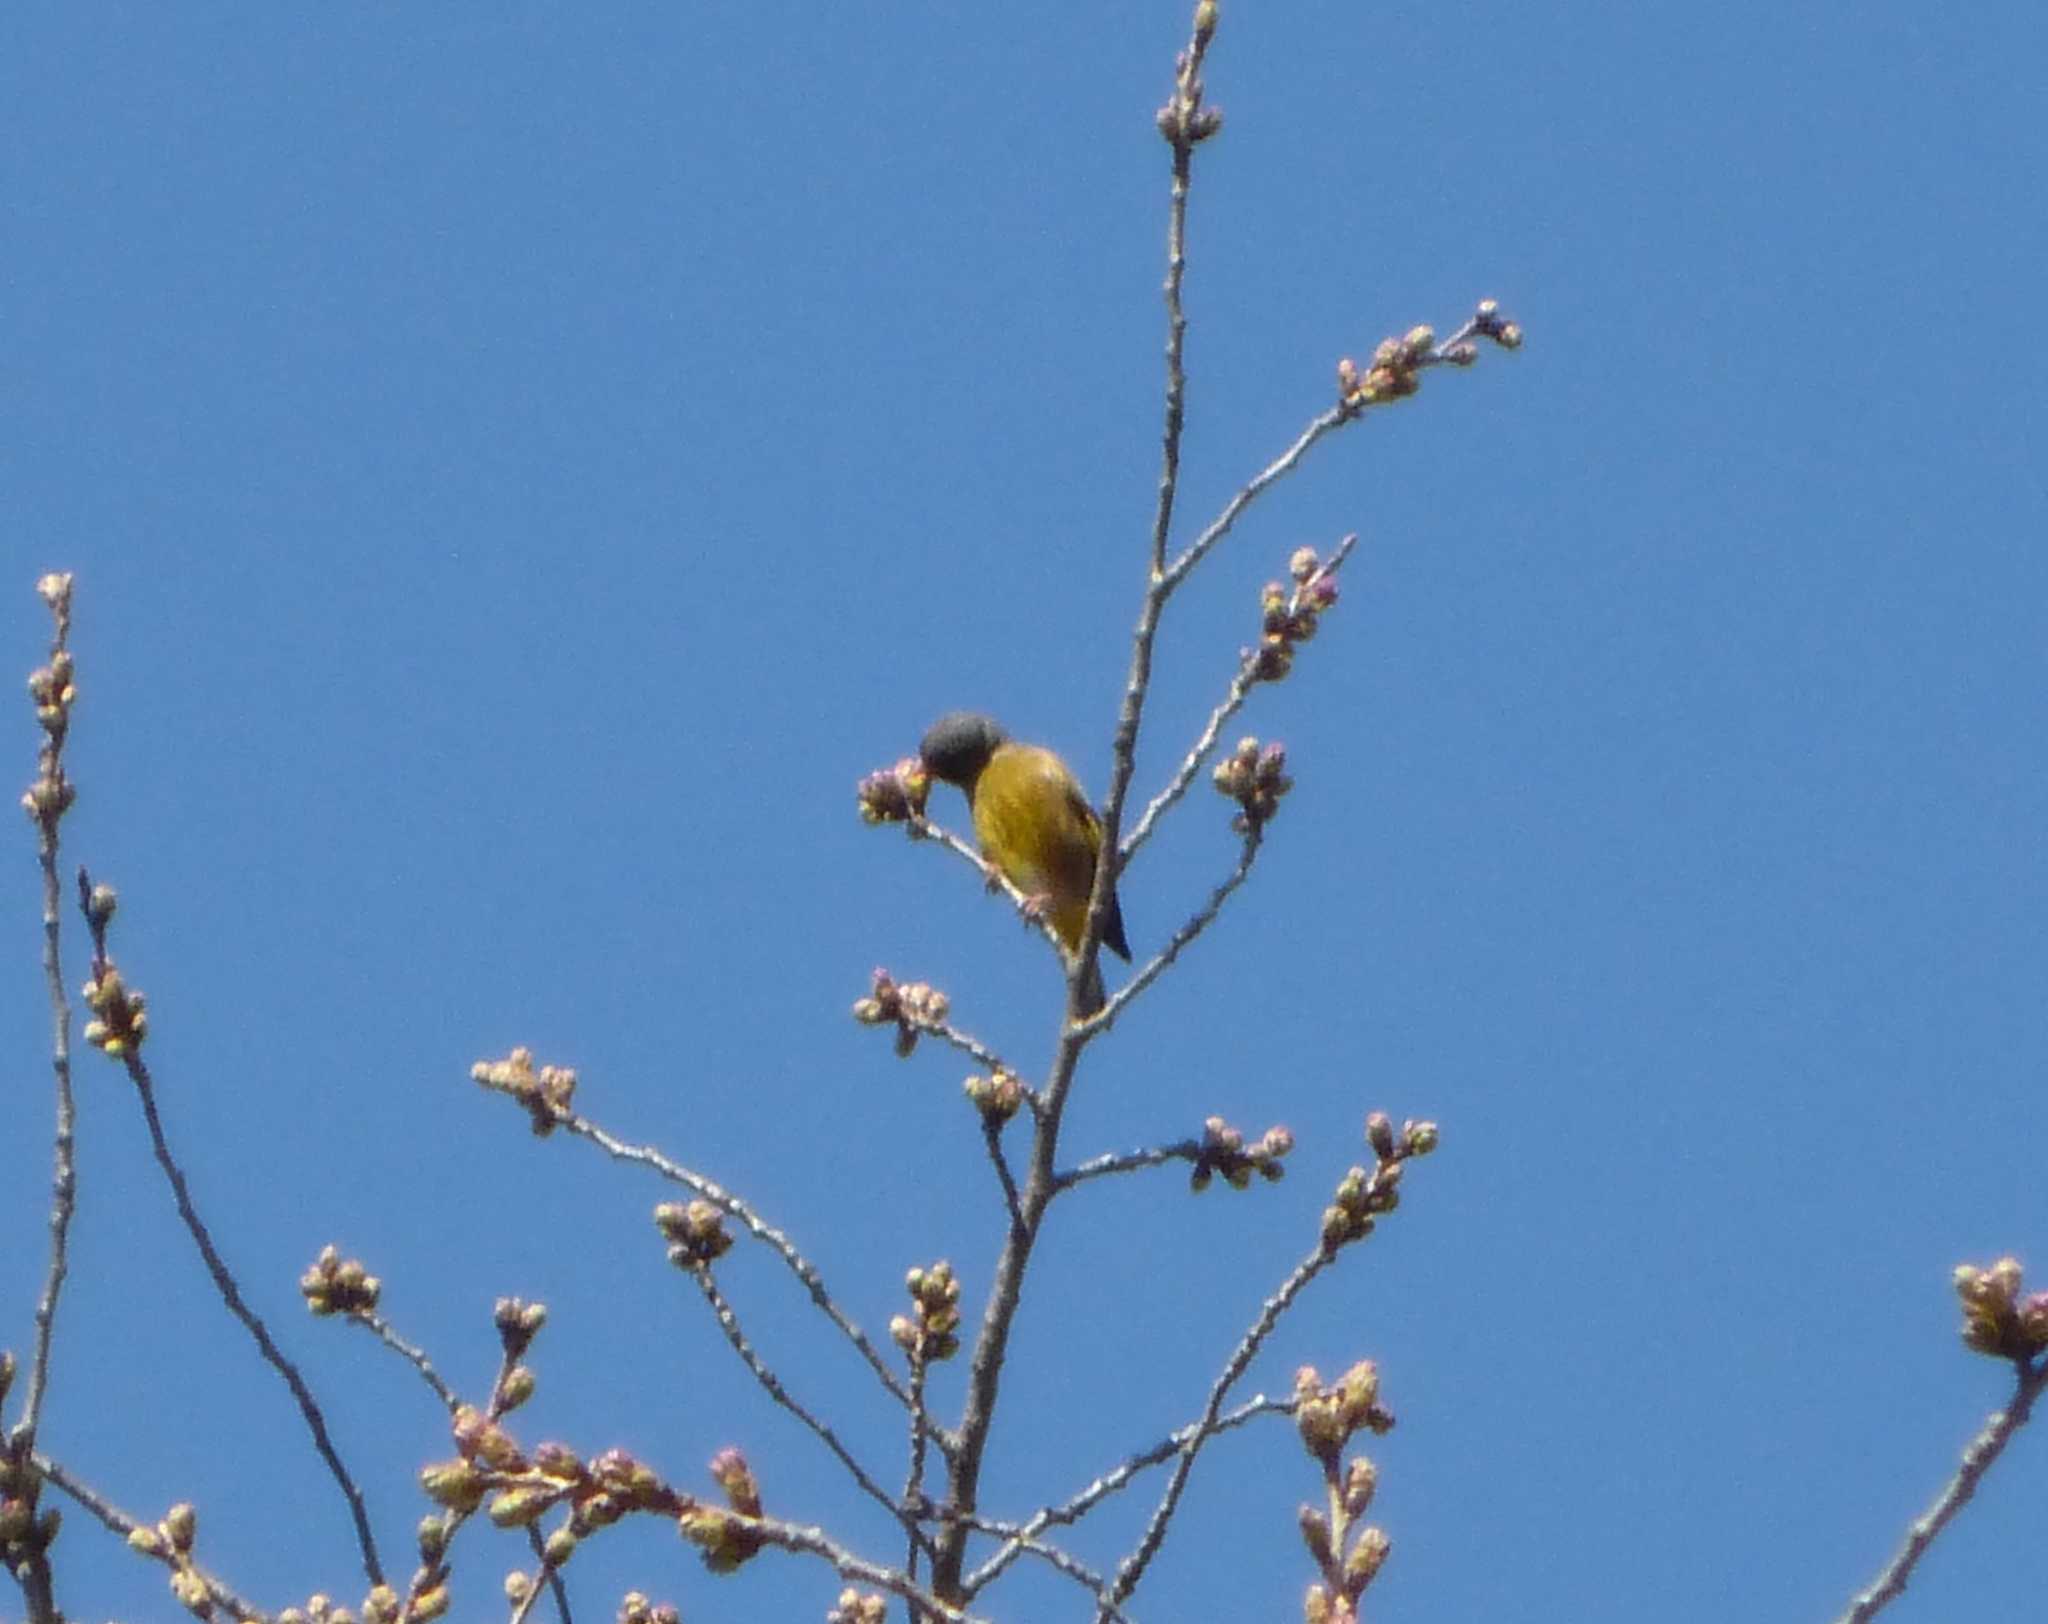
522	467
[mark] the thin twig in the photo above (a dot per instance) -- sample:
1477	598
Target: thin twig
117	1521
815	1542
1079	1505
1983	1449
799	1265
1176	343
1020	1543
1234	697
49	806
729	1323
1444	353
913	1480
1274	471
1129	1161
231	1295
1104	1018
556	1587
1134	1565
382	1329
1241	685
1028	908
966	1042
984	1370
992	1137
547	1570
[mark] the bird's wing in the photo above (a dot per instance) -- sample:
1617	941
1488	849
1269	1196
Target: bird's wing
1091	826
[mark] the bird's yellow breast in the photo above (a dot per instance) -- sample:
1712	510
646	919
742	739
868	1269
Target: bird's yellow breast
1035	825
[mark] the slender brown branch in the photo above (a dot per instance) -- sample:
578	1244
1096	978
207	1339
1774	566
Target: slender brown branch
118	1522
815	1542
967	1043
1978	1457
1073	1509
1103	1019
1176	341
1457	350
549	1571
382	1329
64	1181
992	1137
913	1480
54	693
799	1265
1185	123
1241	685
1129	1161
1134	1565
1019	1543
729	1323
1272	473
556	1588
231	1295
923	828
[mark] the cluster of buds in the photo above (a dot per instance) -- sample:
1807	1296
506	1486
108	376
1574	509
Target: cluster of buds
545	1093
895	794
695	1232
25	1532
1395	372
1288	615
170	1542
931	1331
120	1016
997	1098
1347	1552
913	1007
522	1488
1255	777
120	1019
518	1322
1997	1320
1184	121
339	1285
857	1607
726	1539
427	1595
1362	1196
381	1606
1223	1151
637	1609
1397	364
1327	1418
1489	322
53	691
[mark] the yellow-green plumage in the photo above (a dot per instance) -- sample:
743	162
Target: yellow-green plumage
1032	820
1036	826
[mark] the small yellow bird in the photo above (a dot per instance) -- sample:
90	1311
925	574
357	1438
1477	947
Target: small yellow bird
1033	822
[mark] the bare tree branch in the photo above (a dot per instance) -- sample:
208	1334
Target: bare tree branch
382	1330
1133	1567
1103	1019
1978	1457
799	1265
1079	1505
119	1033
1241	685
120	1523
729	1323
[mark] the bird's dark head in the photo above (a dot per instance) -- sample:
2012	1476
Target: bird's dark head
957	746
